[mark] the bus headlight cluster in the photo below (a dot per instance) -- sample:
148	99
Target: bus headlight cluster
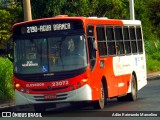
18	87
79	84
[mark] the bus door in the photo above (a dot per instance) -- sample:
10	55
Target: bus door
94	71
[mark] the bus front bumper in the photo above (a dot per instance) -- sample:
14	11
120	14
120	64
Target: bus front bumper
82	94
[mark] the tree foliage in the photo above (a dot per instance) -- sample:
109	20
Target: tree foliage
154	15
46	8
146	11
5	27
10	13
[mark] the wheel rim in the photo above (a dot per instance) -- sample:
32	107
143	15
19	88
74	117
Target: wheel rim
134	89
101	101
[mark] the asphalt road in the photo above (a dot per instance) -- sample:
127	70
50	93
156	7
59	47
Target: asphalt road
147	103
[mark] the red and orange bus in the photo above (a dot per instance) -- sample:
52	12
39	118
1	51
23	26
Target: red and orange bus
76	59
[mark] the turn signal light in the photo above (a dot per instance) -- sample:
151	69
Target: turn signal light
84	80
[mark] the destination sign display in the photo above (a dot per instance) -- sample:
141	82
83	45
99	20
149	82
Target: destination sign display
47	26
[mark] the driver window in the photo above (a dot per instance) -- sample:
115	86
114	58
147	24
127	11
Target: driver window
92	51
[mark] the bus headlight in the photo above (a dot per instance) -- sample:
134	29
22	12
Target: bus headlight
17	85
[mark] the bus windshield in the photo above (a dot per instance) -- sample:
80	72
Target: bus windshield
49	54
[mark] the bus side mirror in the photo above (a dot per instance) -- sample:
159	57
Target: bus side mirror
9	49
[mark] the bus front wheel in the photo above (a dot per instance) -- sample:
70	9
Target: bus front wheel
99	104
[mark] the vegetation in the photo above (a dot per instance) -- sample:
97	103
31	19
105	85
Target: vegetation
6	83
153	55
146	11
9	15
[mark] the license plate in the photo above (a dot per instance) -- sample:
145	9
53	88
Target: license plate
50	96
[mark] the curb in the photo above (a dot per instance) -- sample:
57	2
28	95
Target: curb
154	75
6	104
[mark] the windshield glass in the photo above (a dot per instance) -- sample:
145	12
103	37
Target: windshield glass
49	54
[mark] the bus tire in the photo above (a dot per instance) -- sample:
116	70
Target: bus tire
133	95
99	104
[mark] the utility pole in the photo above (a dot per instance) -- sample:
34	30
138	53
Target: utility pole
27	10
131	6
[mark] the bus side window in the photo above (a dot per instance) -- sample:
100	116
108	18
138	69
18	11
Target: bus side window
119	40
133	39
110	40
92	50
102	45
126	38
139	39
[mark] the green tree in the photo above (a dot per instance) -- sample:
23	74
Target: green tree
114	9
5	28
46	8
146	11
153	7
141	14
9	14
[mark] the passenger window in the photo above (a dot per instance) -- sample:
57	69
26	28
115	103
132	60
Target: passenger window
111	45
126	40
102	45
109	33
119	40
139	39
133	40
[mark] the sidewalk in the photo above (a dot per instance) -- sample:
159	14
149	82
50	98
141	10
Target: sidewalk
4	104
153	75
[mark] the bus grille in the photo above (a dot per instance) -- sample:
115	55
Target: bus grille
46	89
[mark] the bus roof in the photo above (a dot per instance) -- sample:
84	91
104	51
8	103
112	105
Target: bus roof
88	20
131	22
